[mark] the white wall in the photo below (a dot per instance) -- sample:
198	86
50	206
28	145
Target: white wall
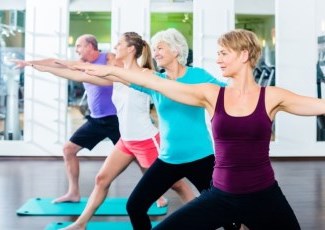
296	51
45	97
265	7
12	5
93	5
210	20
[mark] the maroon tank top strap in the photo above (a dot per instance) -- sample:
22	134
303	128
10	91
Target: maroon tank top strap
261	101
220	101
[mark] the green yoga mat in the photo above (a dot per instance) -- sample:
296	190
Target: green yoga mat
111	206
97	225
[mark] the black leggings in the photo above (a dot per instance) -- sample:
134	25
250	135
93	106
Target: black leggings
158	179
267	210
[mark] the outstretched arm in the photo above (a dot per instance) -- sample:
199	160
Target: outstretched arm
184	93
51	62
74	75
287	101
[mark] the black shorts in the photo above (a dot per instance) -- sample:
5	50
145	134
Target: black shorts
96	130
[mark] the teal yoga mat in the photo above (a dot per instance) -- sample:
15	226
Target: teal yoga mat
110	207
97	225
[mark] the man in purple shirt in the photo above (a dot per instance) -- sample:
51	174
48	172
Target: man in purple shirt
102	121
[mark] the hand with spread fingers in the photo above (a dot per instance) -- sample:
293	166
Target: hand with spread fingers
19	64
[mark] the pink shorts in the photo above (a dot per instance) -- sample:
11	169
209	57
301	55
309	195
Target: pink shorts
145	151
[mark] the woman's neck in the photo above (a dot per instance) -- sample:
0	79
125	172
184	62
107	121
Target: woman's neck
176	71
131	64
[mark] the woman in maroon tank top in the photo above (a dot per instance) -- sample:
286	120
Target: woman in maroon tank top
243	186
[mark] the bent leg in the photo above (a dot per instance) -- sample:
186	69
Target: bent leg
269	209
115	163
154	183
162	201
184	190
199	172
208	212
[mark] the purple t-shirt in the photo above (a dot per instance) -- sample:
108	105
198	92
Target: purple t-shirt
99	98
242	162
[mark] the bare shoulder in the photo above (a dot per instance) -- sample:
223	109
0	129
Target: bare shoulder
278	98
110	55
277	92
111	60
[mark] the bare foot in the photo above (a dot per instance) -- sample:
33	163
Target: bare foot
67	198
74	226
162	202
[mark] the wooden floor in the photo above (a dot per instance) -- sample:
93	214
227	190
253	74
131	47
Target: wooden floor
302	180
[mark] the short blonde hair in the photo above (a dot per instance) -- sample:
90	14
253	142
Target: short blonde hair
239	40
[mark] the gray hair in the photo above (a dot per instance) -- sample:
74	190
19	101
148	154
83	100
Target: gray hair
175	40
90	39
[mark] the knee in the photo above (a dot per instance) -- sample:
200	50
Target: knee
101	181
69	151
131	207
134	207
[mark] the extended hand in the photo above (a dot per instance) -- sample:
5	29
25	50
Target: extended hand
19	64
92	69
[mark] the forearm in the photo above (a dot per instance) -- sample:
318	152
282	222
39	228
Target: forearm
184	93
52	62
44	62
66	73
143	78
73	75
113	78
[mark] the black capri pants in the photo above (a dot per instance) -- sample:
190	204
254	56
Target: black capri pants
264	210
158	179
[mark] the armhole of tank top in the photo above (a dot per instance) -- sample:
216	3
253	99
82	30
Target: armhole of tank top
220	101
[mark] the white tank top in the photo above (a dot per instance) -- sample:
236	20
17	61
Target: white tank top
133	112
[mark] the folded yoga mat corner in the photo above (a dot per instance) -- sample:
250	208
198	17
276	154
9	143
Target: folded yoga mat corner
110	207
97	225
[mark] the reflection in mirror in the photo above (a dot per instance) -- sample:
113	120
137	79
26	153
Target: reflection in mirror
320	82
11	80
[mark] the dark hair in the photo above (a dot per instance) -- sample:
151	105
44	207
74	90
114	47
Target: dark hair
142	49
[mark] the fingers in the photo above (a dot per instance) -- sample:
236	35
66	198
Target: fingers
18	63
